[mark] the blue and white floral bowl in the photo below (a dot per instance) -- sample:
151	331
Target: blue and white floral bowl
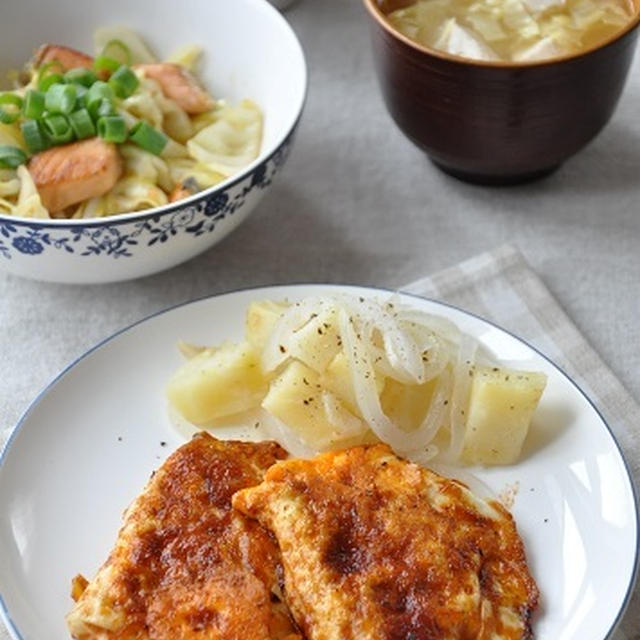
250	52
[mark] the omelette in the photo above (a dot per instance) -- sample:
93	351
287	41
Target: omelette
375	547
185	564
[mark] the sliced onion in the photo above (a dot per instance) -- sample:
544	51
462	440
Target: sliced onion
285	437
366	393
276	350
460	394
347	425
190	350
401	351
438	407
442	326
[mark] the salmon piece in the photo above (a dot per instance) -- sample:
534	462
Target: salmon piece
180	86
69	58
74	172
186	566
183	190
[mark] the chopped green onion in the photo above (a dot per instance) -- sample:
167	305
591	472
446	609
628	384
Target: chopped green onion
124	82
14	102
44	73
57	128
33	106
149	138
81	92
60	98
45	68
103	63
112	129
11	157
117	50
33	136
102	109
84	77
82	124
99	91
50	80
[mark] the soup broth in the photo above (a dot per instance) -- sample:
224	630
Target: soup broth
511	30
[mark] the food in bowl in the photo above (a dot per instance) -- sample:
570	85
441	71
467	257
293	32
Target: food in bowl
511	30
228	540
84	137
334	371
492	122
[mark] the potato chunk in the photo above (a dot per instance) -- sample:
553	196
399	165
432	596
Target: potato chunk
338	379
218	382
407	404
261	318
318	341
501	405
318	416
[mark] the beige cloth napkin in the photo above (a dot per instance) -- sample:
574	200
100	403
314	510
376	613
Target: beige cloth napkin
501	287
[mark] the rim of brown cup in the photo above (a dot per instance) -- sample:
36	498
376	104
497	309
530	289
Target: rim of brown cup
378	15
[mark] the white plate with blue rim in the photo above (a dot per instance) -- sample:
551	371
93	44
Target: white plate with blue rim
88	443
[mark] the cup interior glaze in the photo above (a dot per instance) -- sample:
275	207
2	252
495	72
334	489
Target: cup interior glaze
498	122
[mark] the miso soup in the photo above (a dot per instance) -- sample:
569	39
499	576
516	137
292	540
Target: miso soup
511	30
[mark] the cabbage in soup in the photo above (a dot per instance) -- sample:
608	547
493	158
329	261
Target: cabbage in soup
511	30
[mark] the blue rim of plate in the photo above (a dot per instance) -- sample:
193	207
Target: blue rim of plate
4	612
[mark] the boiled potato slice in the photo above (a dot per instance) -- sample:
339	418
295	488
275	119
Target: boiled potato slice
318	341
338	379
501	405
261	318
218	382
319	418
407	404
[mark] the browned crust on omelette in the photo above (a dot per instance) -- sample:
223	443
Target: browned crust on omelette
376	547
185	564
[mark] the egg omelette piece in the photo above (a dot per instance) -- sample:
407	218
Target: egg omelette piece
185	564
376	547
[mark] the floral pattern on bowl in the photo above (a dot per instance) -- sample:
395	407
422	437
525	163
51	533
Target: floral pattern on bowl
204	222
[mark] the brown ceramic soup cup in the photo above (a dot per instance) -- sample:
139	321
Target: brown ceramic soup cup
498	122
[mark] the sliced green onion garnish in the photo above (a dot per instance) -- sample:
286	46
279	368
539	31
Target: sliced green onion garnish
98	91
48	81
82	124
149	138
33	106
103	63
45	72
57	128
124	82
11	157
45	69
10	106
112	129
117	50
60	98
33	136
85	77
81	92
102	109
